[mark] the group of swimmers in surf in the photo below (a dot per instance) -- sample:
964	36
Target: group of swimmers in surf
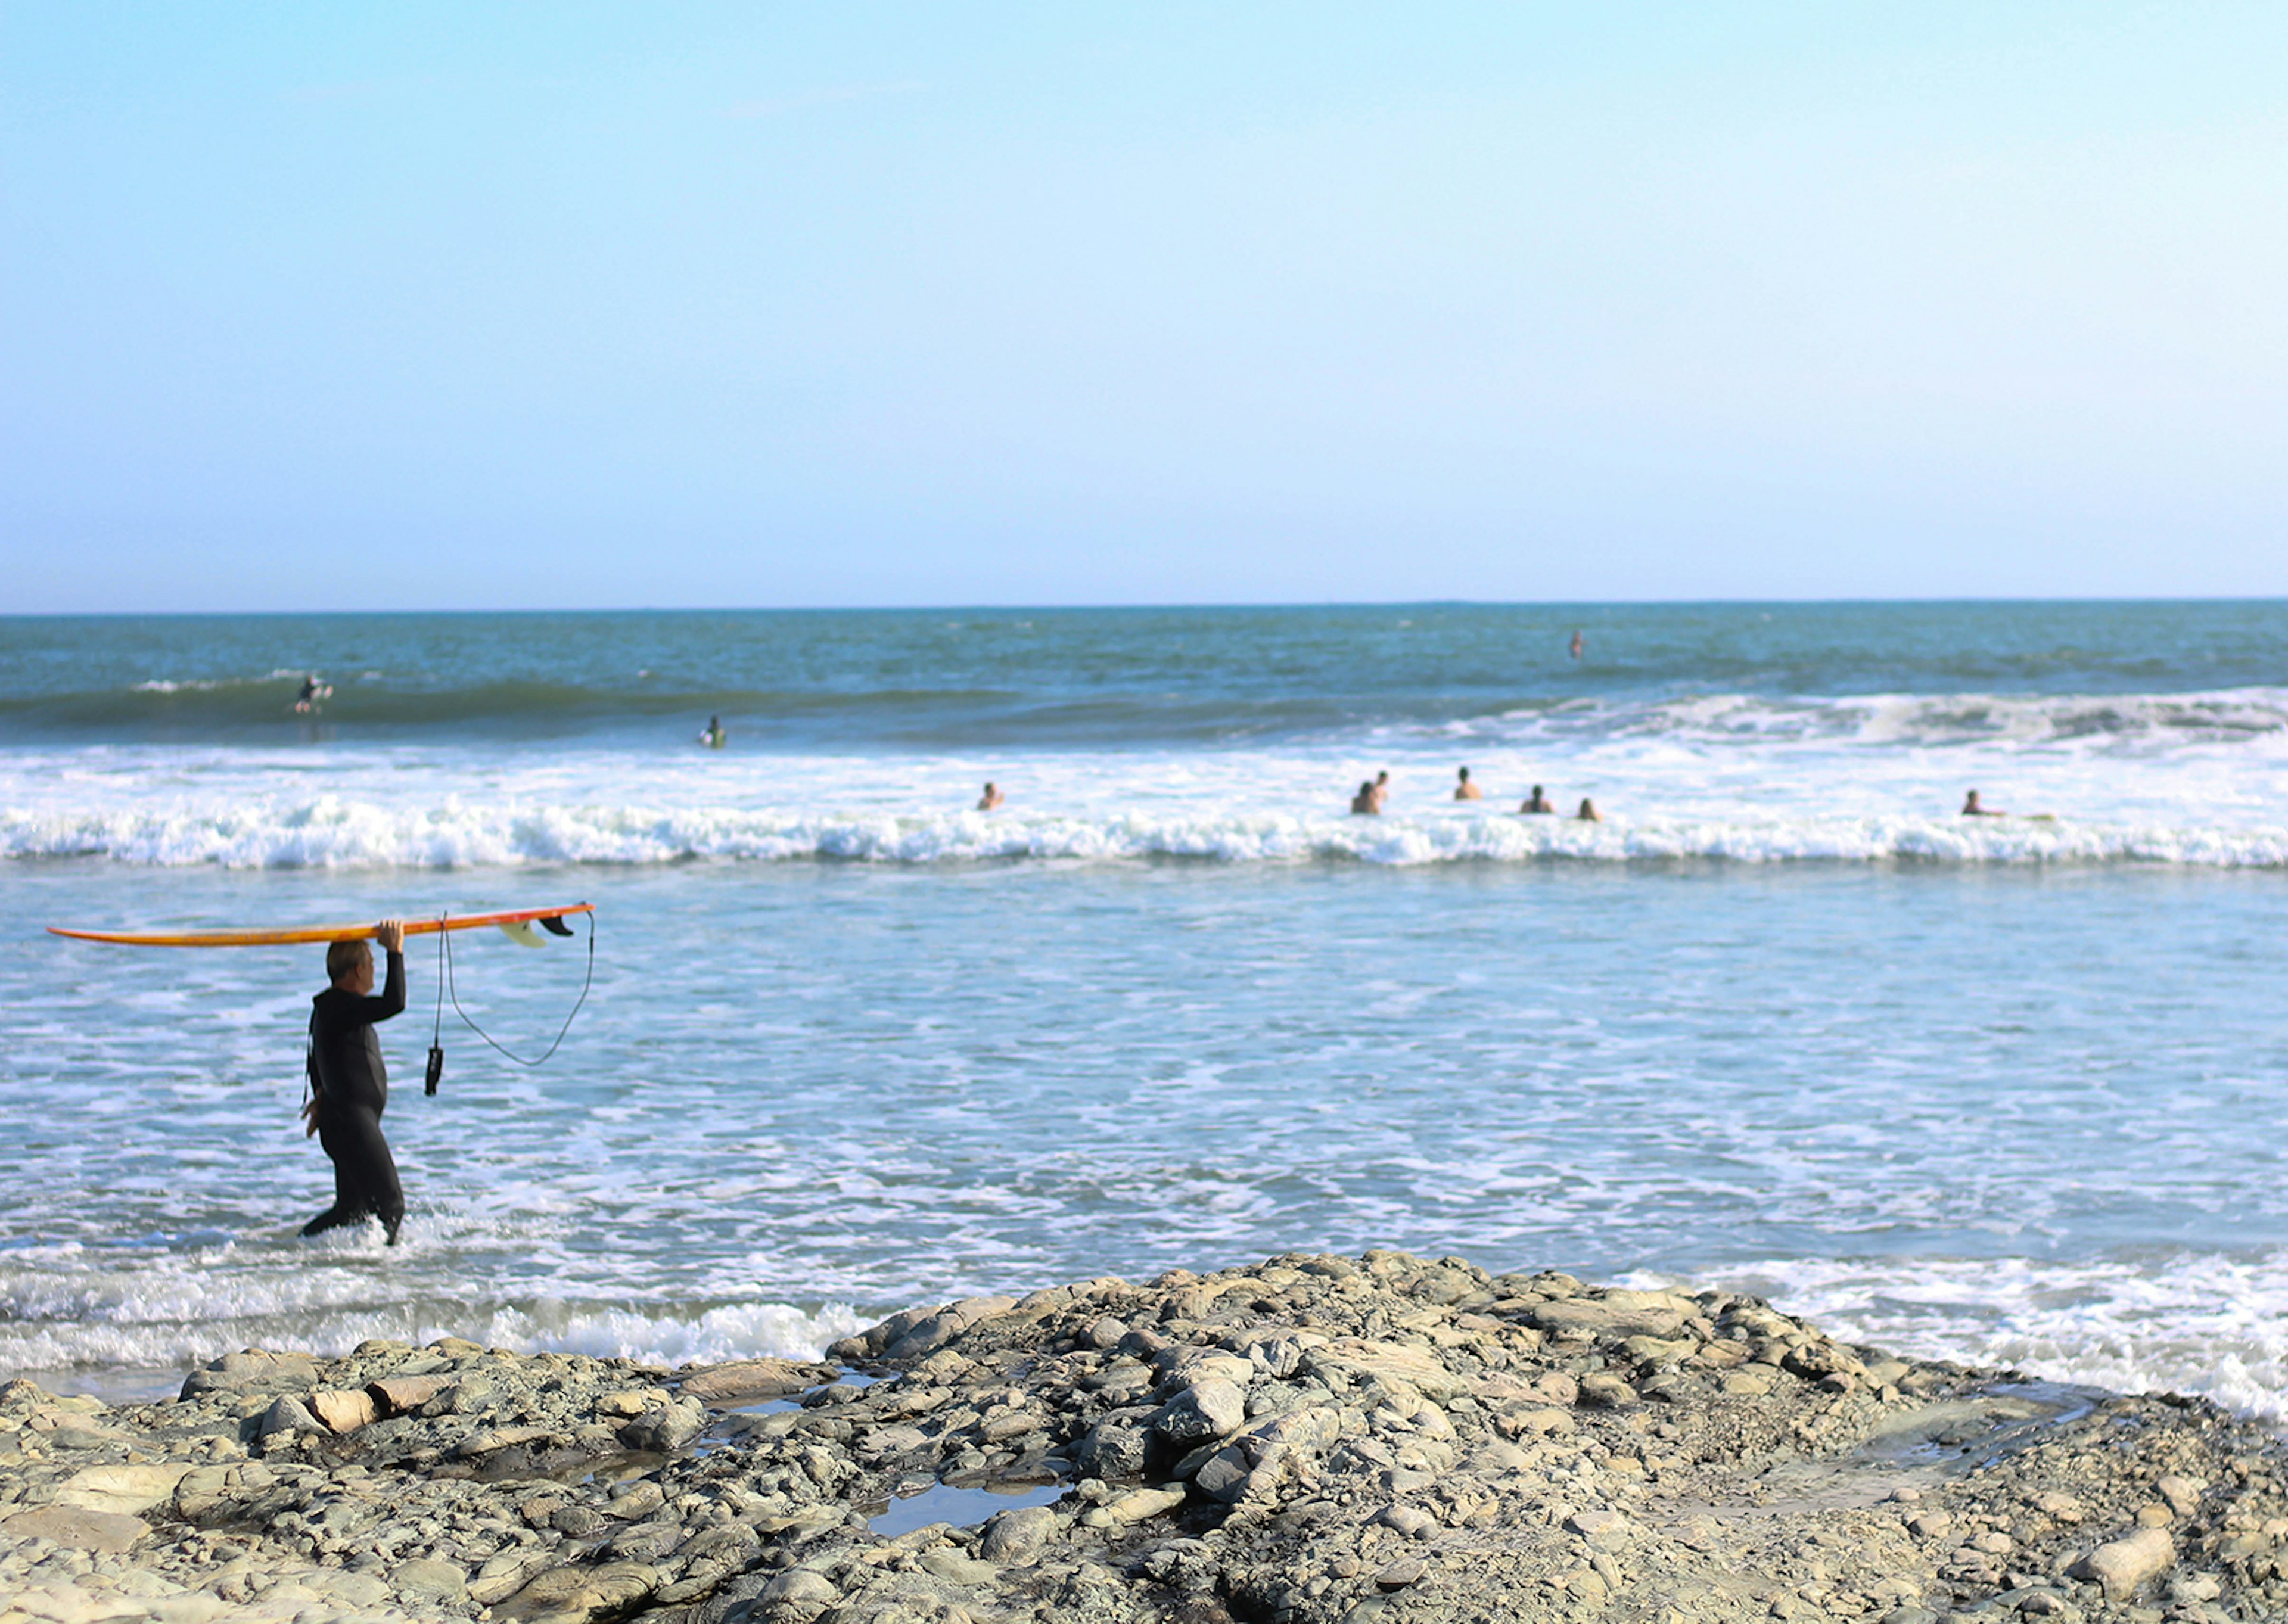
1374	794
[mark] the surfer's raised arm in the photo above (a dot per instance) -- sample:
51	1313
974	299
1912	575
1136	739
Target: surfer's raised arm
391	934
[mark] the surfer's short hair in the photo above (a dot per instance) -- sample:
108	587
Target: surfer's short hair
343	957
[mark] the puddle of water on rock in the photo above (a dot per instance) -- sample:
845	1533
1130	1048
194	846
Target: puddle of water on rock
720	1432
963	1506
1937	1442
773	1406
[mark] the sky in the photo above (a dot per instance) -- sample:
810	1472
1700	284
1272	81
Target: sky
416	306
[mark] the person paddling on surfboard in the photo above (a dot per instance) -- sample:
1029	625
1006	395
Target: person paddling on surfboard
350	1086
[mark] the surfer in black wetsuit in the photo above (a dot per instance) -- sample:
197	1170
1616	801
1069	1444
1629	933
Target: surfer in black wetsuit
350	1087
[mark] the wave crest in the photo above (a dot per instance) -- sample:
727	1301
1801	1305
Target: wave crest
331	832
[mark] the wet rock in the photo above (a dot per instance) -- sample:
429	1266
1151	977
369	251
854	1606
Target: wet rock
1310	1424
668	1427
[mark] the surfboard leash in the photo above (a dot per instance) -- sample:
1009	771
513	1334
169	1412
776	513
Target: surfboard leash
447	989
436	1072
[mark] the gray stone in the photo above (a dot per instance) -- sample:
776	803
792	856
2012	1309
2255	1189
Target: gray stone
291	1417
954	1568
429	1579
1412	1521
1113	1449
1209	1408
1398	1575
1015	1537
803	1587
2121	1567
251	1368
668	1428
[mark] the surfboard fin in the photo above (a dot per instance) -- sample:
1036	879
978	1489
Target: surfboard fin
553	924
521	932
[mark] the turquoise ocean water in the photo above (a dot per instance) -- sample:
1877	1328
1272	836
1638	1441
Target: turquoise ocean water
2009	1090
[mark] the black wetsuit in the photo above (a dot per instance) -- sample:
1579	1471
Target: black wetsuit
353	1089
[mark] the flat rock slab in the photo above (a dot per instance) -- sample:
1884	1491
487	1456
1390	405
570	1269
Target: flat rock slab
106	1532
1362	1361
125	1490
755	1379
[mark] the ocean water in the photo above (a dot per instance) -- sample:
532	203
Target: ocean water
2008	1090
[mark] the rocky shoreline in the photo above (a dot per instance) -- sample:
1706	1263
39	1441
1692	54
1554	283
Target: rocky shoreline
1303	1441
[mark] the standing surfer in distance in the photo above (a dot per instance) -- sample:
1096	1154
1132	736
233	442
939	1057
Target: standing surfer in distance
350	1086
714	735
1465	790
1574	647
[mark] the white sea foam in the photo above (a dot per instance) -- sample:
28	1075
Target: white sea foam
2210	1324
334	833
2197	780
71	1307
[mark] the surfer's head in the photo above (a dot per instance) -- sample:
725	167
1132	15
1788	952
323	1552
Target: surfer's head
349	965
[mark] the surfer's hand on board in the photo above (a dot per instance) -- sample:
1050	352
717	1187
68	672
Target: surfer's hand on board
391	934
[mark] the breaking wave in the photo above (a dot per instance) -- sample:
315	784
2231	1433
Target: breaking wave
332	833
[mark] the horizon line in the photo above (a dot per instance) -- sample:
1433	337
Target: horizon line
1240	604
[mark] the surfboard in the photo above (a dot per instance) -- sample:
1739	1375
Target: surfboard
517	923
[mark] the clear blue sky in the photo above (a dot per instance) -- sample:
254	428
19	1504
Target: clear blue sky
413	305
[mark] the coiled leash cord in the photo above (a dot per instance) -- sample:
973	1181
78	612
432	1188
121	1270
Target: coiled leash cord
445	988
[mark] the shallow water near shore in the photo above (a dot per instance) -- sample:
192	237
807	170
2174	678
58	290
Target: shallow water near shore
2007	1091
2020	1116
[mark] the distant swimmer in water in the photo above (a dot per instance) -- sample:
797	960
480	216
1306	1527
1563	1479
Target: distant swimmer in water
1972	809
1575	646
1466	790
1588	812
350	1086
991	799
1537	802
714	735
1381	789
1363	804
313	691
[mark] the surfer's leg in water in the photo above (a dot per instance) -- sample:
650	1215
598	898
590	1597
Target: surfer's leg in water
365	1176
